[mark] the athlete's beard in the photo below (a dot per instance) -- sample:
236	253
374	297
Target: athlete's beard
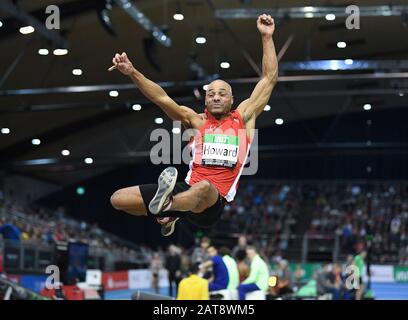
219	114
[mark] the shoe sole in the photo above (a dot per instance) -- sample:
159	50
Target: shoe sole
172	226
166	182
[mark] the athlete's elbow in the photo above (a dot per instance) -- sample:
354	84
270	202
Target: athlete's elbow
275	77
272	77
116	200
160	100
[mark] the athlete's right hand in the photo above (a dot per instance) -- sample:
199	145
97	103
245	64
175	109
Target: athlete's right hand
122	63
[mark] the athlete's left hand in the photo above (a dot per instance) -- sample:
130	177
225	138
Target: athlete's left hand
266	25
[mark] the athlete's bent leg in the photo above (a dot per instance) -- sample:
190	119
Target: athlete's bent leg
129	200
199	197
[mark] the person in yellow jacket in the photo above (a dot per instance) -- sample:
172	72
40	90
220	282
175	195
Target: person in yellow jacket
193	287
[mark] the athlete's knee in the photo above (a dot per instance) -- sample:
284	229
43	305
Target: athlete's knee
204	186
199	208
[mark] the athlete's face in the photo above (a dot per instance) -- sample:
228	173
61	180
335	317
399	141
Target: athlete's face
218	98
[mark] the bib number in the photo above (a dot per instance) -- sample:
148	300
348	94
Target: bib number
220	150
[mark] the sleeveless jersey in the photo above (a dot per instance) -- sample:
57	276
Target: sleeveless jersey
220	150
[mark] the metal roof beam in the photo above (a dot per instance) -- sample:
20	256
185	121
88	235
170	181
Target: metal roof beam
199	83
310	12
137	15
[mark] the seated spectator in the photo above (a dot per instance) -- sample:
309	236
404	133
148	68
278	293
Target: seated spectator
232	268
243	268
298	276
329	282
10	232
284	285
321	280
309	290
258	275
220	272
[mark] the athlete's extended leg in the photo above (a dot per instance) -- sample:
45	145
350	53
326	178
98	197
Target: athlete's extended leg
129	200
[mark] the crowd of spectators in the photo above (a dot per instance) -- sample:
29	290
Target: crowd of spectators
362	213
358	213
39	226
266	213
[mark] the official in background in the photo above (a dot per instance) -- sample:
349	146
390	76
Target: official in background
193	287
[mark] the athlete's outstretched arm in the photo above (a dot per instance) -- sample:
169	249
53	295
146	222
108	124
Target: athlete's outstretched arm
153	91
254	105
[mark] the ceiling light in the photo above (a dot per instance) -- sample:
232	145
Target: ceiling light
330	17
158	120
27	30
65	152
60	52
88	160
137	107
5	130
367	107
341	44
267	107
279	121
36	142
43	52
225	65
77	72
178	17
201	40
114	93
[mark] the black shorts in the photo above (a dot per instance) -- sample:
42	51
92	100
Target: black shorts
204	219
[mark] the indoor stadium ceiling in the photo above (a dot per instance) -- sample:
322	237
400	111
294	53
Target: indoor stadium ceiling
41	98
